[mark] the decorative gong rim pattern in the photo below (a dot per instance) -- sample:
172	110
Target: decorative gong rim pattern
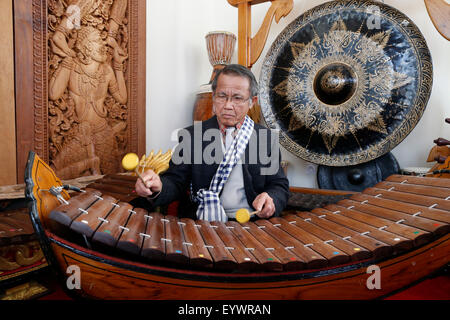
346	82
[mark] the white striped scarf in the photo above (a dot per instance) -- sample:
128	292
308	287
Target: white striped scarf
209	207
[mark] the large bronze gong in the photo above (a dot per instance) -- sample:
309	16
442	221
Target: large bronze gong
346	82
357	177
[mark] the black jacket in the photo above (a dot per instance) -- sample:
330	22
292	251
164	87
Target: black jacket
176	180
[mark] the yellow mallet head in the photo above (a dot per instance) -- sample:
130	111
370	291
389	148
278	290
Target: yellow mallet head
130	161
242	215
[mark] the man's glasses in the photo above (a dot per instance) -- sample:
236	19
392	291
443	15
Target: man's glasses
235	100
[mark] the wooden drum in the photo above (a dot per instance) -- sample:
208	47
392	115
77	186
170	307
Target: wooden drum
220	47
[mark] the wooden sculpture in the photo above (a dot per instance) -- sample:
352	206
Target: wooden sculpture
13	257
440	153
87	89
250	48
441	169
80	83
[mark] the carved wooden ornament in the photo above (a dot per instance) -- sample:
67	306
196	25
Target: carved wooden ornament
87	84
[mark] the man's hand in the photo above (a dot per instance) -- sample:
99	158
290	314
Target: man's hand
119	55
61	43
152	184
264	204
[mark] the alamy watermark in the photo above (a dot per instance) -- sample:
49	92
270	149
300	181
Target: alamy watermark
374	280
74	279
73	17
205	147
374	19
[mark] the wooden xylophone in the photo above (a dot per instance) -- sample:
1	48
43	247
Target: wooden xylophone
396	215
120	186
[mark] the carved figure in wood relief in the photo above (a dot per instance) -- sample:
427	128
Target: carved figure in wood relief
87	87
78	10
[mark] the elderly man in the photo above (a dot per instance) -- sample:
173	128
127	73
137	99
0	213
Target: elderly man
248	173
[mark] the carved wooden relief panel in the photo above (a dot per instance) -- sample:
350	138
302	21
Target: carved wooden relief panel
89	84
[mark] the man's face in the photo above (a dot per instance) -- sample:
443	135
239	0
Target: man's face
232	100
97	48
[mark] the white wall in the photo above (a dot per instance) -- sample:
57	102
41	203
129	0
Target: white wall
177	64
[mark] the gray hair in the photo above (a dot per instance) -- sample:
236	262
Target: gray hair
237	70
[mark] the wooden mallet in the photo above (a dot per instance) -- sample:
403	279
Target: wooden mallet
243	215
130	162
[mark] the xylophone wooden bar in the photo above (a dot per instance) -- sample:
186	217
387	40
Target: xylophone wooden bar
119	186
66	213
176	251
244	258
6	231
198	253
428	191
122	178
266	259
378	248
222	257
131	241
153	246
88	221
119	179
110	188
393	226
289	259
413	226
410	198
325	249
312	259
433	182
109	231
116	191
10	223
408	208
354	251
397	241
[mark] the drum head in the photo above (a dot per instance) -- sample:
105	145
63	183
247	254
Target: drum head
346	82
357	177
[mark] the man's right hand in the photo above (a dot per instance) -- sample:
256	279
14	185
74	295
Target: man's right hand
152	184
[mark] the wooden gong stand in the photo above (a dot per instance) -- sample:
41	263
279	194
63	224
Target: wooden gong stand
250	48
439	12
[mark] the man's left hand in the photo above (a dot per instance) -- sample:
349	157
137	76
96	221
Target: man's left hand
119	55
264	204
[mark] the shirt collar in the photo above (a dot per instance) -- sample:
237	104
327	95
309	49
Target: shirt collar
238	126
